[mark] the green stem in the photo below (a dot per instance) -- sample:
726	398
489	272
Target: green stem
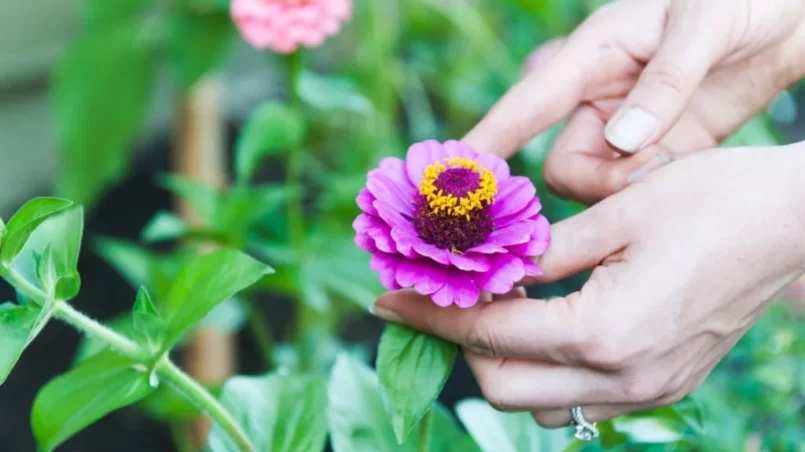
117	341
295	157
24	286
180	381
125	346
258	326
426	426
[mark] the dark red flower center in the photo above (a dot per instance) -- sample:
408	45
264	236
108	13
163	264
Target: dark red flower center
450	228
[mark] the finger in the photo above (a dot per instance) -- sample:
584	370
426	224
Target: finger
519	328
517	385
558	418
538	101
583	241
690	46
581	164
543	54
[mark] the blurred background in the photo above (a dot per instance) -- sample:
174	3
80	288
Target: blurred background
100	100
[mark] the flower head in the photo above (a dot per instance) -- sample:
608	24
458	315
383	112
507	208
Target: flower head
450	223
285	25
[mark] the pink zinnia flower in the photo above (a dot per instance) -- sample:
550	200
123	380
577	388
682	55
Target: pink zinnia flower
285	25
450	222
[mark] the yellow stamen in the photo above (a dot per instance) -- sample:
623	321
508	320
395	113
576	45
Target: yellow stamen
458	206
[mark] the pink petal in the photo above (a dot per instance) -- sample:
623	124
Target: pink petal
382	238
385	265
513	196
394	168
512	235
365	200
391	215
365	242
426	277
455	148
505	272
531	269
420	156
458	289
497	165
487	248
470	262
385	189
428	250
405	241
532	209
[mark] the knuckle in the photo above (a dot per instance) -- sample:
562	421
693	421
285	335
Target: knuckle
642	390
606	352
666	76
480	338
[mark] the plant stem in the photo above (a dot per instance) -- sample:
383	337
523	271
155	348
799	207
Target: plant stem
165	369
117	341
258	325
24	286
425	428
180	381
295	157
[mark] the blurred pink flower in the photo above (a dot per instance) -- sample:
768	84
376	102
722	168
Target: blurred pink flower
285	25
450	223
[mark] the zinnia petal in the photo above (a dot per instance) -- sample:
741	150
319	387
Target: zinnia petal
419	156
425	277
386	265
458	289
514	195
470	262
505	272
384	189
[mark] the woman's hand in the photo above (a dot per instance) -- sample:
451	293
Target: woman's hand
683	74
685	260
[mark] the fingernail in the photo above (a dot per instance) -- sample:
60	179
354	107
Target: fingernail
385	314
631	129
655	162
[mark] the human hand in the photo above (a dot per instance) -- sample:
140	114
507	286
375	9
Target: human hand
684	263
689	71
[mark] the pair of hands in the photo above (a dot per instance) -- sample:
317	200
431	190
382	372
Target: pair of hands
686	255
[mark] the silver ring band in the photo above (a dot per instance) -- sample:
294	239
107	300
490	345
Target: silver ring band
585	430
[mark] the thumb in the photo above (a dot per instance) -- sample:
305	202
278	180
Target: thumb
688	49
584	241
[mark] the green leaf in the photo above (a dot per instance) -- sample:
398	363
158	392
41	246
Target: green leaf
331	92
495	431
98	113
164	225
413	368
229	317
203	284
147	325
96	14
140	267
23	223
447	435
202	198
72	401
56	244
271	128
197	42
18	326
357	417
2	231
168	404
280	413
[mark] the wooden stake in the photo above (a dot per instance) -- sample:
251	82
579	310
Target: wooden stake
199	154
